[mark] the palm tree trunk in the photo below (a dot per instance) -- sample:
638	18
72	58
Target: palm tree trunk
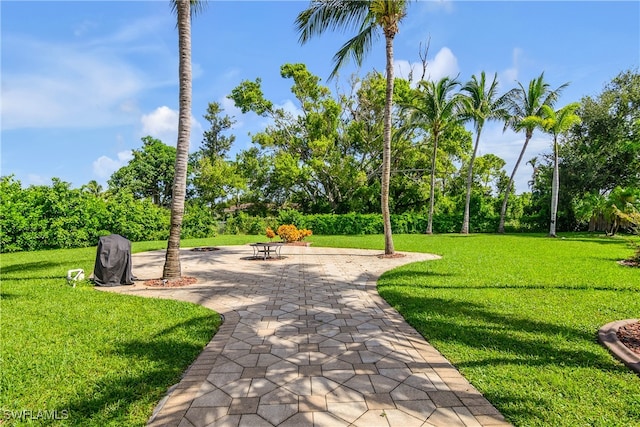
172	268
386	151
432	192
507	191
465	219
555	187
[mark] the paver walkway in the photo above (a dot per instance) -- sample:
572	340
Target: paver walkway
307	341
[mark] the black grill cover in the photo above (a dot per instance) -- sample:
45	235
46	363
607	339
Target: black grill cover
113	262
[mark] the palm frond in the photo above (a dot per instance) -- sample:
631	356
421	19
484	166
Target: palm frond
355	48
322	15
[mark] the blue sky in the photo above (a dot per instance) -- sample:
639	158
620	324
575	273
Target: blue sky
83	81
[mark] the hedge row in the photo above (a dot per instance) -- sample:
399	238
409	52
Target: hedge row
354	223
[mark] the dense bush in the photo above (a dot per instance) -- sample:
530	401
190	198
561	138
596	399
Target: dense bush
198	222
242	223
56	216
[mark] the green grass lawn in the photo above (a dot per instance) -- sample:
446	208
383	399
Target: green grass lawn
95	358
517	314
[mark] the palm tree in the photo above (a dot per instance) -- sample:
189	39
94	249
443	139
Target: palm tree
436	111
184	10
525	107
534	175
557	123
480	103
92	188
366	16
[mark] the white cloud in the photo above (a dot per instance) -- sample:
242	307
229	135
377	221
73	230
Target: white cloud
444	64
64	86
404	69
509	76
104	166
89	81
162	123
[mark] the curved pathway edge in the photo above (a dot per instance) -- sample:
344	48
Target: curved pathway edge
307	341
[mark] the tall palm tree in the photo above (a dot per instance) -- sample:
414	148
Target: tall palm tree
480	103
525	108
436	109
557	123
366	16
184	10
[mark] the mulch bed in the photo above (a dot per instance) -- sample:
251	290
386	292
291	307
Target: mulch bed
205	249
629	335
396	255
175	283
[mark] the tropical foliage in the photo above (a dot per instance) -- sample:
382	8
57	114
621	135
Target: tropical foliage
318	166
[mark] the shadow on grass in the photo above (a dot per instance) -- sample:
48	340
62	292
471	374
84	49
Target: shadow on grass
7	295
160	362
447	320
401	276
30	267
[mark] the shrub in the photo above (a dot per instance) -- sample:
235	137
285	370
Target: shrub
290	233
270	233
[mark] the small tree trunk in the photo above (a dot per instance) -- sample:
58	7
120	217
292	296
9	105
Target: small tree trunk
465	219
555	187
507	191
432	193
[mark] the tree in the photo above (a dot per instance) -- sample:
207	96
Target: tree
216	177
183	9
480	103
320	159
557	123
93	188
215	142
367	16
525	110
149	174
603	151
436	110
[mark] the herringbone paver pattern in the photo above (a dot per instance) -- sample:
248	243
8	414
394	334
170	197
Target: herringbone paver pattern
307	341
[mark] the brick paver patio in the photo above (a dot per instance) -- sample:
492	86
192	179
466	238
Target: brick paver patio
307	341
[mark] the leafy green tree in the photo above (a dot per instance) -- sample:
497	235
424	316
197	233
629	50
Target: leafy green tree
183	9
525	110
306	158
215	177
216	180
603	151
149	174
367	17
215	141
480	103
557	123
437	109
490	172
